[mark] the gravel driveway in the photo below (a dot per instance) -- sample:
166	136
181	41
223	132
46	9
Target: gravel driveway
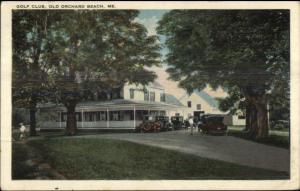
225	148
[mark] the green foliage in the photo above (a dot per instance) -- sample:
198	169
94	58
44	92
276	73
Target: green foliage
101	50
19	115
60	54
229	48
31	48
67	51
234	102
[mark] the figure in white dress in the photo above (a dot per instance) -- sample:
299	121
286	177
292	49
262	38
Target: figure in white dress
191	122
22	131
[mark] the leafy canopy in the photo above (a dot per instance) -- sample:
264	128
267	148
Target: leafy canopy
101	50
227	47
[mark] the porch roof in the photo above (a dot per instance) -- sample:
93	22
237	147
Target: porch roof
114	104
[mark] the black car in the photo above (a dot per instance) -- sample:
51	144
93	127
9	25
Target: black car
212	124
164	121
177	122
149	124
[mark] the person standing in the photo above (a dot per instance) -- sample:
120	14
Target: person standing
191	122
22	131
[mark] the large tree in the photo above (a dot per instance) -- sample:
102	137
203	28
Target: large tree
30	51
99	51
244	51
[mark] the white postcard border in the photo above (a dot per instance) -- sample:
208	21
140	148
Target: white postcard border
6	60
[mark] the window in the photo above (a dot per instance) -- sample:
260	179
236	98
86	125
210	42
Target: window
131	92
152	96
162	97
127	115
103	116
198	106
78	116
115	116
146	95
189	104
64	117
88	116
241	117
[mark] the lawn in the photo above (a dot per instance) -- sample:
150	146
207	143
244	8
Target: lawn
275	138
79	158
20	155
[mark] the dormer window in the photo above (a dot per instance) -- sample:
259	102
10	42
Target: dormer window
131	92
189	104
146	95
152	96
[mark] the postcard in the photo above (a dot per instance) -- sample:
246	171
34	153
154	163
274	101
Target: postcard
150	95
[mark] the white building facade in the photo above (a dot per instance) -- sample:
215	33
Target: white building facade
122	109
202	101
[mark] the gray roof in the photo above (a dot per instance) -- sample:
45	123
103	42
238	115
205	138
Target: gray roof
171	99
209	99
113	103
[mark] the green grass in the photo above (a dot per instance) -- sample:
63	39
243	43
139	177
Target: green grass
274	139
19	168
80	158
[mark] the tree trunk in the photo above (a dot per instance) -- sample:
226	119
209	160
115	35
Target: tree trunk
248	116
32	112
71	126
262	117
253	125
258	122
32	130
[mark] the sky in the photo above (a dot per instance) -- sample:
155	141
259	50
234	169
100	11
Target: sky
150	18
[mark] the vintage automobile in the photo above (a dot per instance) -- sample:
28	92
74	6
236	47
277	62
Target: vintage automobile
177	122
165	124
280	124
212	124
149	124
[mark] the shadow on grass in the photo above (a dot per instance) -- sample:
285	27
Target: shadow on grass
20	170
272	140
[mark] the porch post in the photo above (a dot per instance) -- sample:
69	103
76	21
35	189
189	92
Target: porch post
59	119
82	118
268	114
107	118
134	122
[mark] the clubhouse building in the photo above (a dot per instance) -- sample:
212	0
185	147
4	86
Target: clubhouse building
125	108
